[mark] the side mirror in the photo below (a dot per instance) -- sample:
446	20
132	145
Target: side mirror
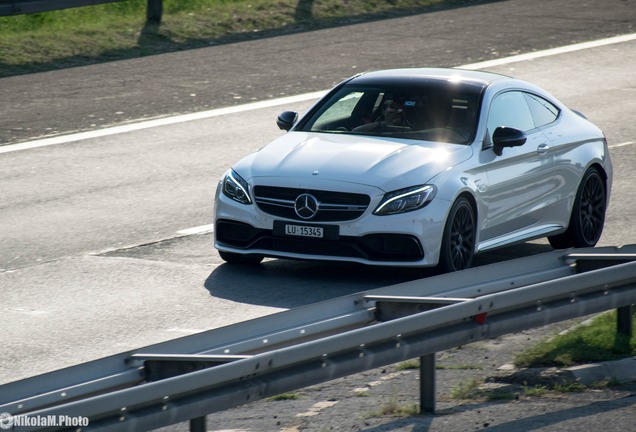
507	137
286	119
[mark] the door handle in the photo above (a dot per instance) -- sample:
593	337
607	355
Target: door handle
543	149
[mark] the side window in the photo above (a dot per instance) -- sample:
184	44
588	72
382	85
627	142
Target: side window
543	112
510	109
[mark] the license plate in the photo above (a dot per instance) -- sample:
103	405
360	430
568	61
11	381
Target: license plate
291	229
304	231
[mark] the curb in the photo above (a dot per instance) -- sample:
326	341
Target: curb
621	371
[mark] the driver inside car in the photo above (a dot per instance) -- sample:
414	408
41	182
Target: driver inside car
392	116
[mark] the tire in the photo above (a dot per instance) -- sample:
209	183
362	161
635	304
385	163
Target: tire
458	240
588	214
234	258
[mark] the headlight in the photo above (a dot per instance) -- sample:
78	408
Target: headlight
405	200
236	188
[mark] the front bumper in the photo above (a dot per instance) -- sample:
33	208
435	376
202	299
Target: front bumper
408	240
373	248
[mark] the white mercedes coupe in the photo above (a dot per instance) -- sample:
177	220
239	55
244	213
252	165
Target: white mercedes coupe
419	168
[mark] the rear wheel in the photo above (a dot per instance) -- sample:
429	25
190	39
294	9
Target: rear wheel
458	241
588	214
234	258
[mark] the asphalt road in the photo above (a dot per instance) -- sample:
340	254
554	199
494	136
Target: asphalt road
91	97
92	261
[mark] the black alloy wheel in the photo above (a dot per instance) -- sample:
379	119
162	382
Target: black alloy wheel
458	242
592	209
588	214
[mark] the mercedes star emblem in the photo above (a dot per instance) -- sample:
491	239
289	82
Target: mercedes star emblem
306	206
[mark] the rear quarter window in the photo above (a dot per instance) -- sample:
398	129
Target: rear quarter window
543	111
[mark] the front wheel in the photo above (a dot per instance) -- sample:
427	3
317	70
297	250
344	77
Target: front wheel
458	241
234	258
588	214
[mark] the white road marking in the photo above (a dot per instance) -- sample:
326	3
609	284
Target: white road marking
550	52
64	139
622	144
316	408
286	100
27	311
359	391
203	229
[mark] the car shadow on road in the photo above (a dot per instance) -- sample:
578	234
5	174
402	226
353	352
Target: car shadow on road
289	284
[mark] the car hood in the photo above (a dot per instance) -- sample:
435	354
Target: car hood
386	163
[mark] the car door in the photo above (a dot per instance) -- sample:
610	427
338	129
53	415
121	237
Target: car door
520	182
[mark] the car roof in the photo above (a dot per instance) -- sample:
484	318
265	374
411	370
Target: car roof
399	76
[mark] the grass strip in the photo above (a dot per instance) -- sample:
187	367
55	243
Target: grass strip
105	32
594	341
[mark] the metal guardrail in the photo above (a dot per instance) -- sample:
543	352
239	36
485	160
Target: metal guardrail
18	7
191	377
154	8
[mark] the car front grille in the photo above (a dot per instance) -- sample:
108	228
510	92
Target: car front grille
332	206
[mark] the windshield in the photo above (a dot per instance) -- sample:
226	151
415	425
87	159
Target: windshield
432	111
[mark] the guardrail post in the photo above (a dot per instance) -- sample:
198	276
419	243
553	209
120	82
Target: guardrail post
154	10
199	424
625	320
427	384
